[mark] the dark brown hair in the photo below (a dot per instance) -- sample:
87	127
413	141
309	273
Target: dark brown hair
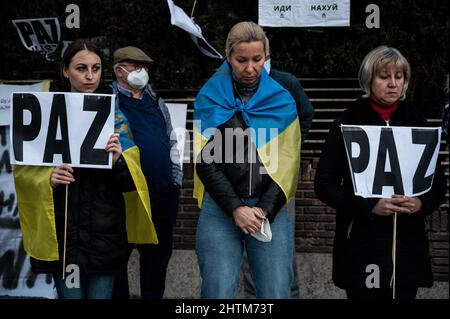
73	48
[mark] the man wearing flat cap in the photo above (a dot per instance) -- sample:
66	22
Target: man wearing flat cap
149	120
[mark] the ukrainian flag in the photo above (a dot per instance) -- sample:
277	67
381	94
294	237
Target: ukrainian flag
272	116
36	209
140	228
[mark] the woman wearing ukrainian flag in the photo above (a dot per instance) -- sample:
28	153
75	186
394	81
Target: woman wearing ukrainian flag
247	153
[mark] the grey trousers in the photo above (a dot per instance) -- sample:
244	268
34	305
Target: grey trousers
249	288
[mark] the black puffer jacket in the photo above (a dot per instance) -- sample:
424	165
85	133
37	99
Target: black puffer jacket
96	232
363	238
238	175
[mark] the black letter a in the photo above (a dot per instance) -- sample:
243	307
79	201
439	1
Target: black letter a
52	145
394	177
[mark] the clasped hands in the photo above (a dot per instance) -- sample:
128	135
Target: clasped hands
397	204
249	219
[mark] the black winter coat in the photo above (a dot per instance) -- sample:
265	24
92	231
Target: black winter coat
96	231
363	238
229	181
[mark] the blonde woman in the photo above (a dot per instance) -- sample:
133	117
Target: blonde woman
240	190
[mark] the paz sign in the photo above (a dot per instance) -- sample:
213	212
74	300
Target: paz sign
51	129
388	160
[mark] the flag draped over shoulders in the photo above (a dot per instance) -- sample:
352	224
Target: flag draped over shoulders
36	205
270	114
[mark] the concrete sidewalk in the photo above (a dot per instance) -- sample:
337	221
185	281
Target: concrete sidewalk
183	278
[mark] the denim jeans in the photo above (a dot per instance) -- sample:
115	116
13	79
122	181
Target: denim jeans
220	245
249	289
97	286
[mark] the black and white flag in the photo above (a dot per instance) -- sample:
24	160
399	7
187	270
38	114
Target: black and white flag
179	18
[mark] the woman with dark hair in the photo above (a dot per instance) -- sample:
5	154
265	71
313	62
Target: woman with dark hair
364	226
94	241
80	47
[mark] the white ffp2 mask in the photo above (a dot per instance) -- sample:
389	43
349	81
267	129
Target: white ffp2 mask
137	79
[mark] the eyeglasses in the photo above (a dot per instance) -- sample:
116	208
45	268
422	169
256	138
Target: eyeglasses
136	67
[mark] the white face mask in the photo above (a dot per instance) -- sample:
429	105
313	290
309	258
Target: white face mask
137	79
267	66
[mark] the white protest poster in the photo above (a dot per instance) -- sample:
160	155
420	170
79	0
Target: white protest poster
5	95
304	13
39	35
179	18
16	276
178	114
388	160
51	129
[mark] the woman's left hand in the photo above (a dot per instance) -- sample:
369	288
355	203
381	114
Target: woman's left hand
414	204
114	146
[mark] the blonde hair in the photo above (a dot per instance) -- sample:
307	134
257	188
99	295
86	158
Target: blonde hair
378	58
246	31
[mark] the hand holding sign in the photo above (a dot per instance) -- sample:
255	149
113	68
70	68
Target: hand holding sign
397	204
115	147
413	203
62	175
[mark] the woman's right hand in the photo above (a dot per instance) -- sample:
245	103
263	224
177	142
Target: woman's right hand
62	175
248	219
389	206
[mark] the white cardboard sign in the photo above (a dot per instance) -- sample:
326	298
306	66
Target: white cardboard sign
304	13
51	129
388	160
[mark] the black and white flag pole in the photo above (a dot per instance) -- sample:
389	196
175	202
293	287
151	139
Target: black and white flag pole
193	8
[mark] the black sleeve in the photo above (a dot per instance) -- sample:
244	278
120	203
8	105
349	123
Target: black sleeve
272	200
330	173
217	185
122	176
432	199
305	109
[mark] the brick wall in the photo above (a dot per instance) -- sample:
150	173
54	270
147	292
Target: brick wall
315	222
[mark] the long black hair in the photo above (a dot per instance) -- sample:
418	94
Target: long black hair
73	48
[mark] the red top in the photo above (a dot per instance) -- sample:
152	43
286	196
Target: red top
385	111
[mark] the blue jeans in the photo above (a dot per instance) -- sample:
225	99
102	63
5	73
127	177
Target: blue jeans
97	286
249	289
220	246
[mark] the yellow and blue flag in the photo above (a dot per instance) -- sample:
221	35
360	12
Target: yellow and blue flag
271	115
140	227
